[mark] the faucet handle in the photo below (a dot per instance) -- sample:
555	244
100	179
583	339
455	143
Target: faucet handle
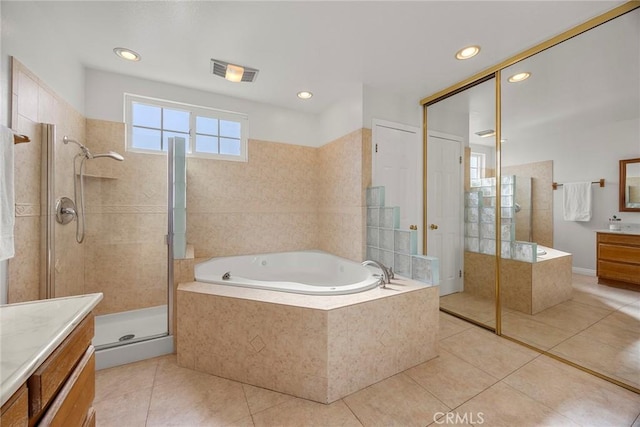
390	272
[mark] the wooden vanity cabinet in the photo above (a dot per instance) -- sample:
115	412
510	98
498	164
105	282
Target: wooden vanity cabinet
61	390
15	412
618	258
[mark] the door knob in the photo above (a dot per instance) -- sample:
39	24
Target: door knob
433	227
413	227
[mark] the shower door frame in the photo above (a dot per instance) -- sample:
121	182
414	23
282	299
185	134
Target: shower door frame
47	214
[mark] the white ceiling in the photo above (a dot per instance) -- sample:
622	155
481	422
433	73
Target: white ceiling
590	79
328	48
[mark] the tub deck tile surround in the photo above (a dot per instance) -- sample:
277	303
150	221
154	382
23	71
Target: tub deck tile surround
529	287
320	348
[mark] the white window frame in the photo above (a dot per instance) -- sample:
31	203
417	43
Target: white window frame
481	164
194	110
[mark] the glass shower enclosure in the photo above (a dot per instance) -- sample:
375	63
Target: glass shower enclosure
127	251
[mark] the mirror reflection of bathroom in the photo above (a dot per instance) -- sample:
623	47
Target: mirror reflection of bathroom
470	117
563	301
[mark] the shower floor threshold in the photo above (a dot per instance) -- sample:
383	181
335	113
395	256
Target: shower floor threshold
131	341
130	326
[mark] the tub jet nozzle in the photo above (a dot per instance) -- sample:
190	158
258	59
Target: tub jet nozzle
226	276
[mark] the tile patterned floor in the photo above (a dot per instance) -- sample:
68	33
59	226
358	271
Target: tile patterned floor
477	379
598	328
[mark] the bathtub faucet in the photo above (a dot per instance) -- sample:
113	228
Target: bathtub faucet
387	273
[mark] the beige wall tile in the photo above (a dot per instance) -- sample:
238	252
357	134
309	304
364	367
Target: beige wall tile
277	201
311	353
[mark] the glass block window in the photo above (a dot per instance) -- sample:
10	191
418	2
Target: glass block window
210	133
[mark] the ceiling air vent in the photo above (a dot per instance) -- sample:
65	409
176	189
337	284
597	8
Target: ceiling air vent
233	72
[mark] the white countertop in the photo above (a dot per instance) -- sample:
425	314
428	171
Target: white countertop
31	331
633	231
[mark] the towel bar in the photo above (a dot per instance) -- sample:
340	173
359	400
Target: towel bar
555	185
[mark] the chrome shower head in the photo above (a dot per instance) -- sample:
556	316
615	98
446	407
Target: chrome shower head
110	154
84	149
87	154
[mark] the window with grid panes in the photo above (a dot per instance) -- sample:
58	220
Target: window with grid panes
209	133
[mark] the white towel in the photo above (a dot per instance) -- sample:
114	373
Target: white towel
7	194
577	201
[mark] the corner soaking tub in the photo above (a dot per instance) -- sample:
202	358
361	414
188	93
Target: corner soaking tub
303	272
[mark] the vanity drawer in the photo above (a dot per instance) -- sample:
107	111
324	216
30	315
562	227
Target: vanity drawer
72	406
51	375
619	239
15	412
617	253
620	272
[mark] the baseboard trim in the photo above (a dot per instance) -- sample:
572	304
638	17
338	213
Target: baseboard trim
584	271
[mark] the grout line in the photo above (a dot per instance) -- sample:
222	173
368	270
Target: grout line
153	386
424	388
246	401
351	410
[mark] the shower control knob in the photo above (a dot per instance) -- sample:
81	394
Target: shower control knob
65	210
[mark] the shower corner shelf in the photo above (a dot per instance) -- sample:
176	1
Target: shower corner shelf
97	176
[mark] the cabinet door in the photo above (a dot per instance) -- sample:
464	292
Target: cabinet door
15	412
71	406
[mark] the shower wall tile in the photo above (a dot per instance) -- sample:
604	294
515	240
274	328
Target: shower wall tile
33	102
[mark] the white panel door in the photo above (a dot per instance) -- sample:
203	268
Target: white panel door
444	208
397	158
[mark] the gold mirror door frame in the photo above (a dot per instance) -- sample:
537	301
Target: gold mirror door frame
495	72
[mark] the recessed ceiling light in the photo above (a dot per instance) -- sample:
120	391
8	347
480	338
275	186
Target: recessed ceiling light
305	94
519	77
467	52
127	54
